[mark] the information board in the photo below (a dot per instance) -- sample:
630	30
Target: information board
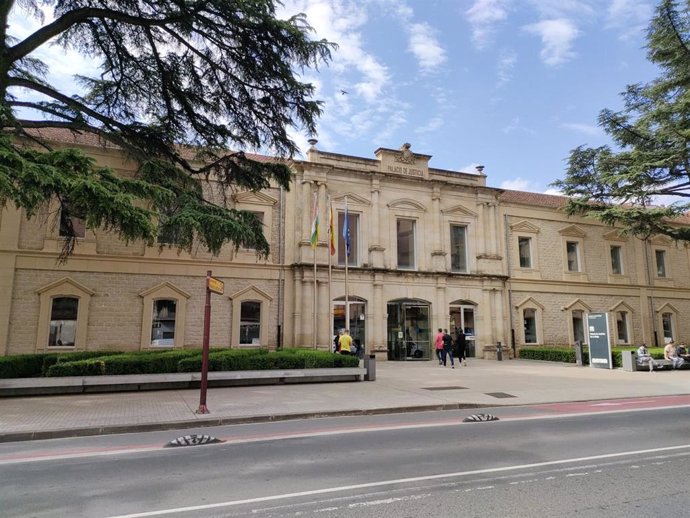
599	343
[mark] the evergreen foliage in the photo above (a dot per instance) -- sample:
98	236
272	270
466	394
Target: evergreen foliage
180	85
652	136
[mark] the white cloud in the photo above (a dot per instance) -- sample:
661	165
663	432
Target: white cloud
432	125
557	38
560	8
587	129
516	184
516	126
506	63
630	17
483	16
425	47
553	192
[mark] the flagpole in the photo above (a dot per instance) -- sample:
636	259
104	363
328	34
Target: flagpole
330	277
315	301
347	260
314	244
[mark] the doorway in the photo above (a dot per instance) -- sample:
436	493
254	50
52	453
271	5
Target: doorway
357	324
408	331
462	316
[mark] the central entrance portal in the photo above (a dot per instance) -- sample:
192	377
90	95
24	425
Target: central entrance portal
409	335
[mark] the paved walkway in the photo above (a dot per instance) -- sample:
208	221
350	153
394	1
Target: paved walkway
400	386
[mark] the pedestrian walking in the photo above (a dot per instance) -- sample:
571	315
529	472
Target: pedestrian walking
448	348
438	342
461	341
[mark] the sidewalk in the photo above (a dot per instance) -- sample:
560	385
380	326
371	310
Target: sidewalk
399	387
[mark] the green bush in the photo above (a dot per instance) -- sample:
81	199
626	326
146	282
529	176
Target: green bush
93	367
21	365
553	354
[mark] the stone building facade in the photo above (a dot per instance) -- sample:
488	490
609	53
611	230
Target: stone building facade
429	248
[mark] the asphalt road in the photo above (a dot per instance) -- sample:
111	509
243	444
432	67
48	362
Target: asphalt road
549	460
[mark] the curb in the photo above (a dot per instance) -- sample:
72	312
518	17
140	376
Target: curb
220	421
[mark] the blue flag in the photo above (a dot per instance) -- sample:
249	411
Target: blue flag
346	231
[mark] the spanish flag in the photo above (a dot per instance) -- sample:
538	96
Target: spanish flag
331	229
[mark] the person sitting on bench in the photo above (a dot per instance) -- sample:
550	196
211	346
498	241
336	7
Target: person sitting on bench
644	358
671	354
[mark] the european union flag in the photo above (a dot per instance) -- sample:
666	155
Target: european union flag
346	232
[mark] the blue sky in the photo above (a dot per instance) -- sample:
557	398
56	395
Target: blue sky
510	84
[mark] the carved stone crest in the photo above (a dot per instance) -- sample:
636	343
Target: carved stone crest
405	156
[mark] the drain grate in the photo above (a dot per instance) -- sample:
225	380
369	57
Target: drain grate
499	395
443	388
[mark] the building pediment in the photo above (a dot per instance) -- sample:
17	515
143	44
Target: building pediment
572	231
667	308
407	204
659	240
164	288
254	198
251	292
458	210
69	282
577	304
352	199
529	302
621	305
615	235
524	226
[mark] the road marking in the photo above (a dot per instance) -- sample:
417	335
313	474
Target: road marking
14	458
341	489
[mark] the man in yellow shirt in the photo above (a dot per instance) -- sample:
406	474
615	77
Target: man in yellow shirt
345	342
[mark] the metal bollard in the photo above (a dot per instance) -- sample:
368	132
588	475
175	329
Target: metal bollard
499	352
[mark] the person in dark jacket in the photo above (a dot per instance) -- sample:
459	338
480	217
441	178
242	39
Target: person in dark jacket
448	348
461	341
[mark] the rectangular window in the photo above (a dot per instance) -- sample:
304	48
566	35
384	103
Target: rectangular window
260	217
406	252
667	325
616	260
660	263
525	250
530	317
353	222
622	327
63	321
69	225
250	323
458	248
573	256
163	322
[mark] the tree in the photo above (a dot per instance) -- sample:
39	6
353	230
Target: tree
652	134
181	83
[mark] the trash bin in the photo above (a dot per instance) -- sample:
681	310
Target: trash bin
370	366
499	352
629	361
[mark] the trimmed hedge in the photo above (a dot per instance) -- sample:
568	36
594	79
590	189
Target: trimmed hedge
37	365
567	354
159	362
233	360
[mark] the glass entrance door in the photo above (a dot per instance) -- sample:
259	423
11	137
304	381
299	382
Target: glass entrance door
357	320
462	317
409	334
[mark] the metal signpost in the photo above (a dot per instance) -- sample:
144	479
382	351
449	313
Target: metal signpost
599	343
212	286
